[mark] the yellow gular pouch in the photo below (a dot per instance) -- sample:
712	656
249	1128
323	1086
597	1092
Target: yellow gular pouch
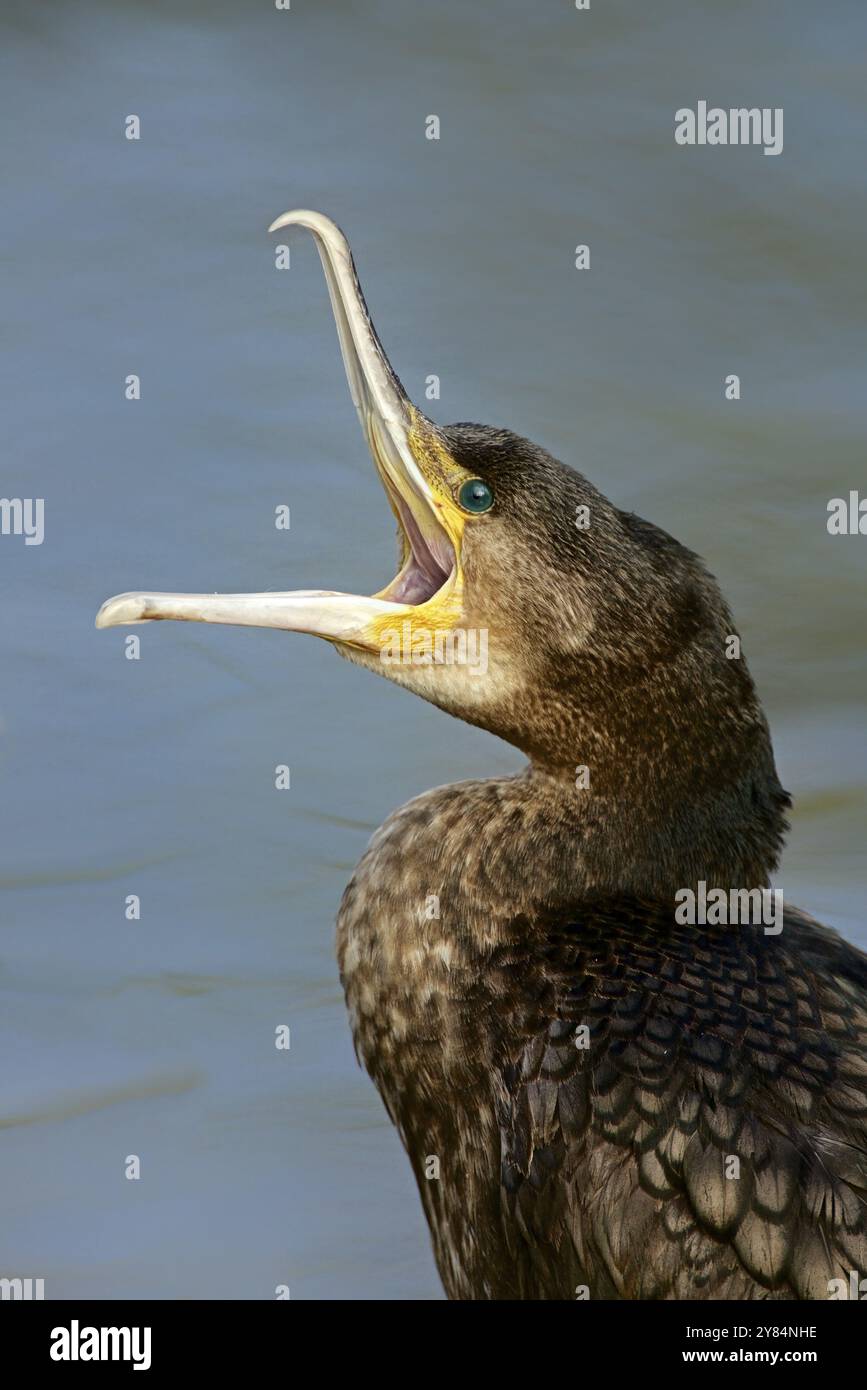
426	635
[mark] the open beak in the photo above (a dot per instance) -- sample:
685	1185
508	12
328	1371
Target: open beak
418	473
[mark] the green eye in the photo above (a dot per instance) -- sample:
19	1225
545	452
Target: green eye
475	496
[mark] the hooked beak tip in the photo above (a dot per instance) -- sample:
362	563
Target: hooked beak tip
123	608
315	222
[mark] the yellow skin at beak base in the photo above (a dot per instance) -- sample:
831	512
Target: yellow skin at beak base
443	477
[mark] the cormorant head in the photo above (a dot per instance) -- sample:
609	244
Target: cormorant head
527	603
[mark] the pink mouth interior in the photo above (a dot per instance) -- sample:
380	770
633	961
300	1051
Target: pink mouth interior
430	563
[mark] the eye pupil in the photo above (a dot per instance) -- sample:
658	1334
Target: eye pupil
476	496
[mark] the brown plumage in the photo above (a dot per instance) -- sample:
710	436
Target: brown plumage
606	1171
710	1141
596	1100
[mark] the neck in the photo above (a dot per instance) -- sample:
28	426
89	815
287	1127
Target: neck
665	783
554	844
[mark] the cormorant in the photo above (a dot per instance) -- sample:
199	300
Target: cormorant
597	1098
